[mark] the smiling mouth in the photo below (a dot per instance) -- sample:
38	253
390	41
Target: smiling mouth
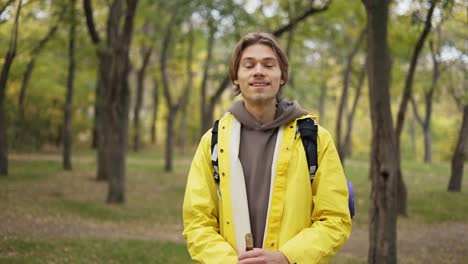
259	84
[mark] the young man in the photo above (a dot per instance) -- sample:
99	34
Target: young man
264	187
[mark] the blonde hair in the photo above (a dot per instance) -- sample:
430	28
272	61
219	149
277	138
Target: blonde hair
257	38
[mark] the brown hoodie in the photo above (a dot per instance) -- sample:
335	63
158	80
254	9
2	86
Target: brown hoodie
257	145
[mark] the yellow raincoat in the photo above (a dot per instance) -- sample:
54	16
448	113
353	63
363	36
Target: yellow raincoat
307	223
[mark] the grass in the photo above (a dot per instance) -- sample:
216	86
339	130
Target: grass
91	251
428	199
37	189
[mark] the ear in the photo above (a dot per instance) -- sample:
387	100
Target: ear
236	82
282	82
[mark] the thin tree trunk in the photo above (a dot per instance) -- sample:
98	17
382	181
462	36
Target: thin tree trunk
402	192
185	97
97	99
30	67
169	150
350	118
170	106
68	113
146	54
215	99
342	107
322	101
100	122
290	42
412	132
118	96
412	69
155	112
10	56
205	124
459	155
384	158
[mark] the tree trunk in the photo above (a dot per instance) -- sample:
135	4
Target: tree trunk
3	141
412	132
30	67
97	100
402	192
427	145
90	25
11	53
459	155
322	101
384	158
155	111
172	107
68	113
100	120
169	149
205	124
118	96
188	87
342	107
350	119
209	117
146	54
410	76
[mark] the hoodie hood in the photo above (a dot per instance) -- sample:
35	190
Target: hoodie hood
286	111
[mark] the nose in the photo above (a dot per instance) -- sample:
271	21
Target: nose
258	70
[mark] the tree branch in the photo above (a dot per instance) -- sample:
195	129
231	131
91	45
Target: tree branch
88	8
306	14
2	8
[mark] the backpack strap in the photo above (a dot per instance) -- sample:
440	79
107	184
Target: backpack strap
214	154
308	130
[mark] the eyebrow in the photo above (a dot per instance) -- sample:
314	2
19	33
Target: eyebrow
262	59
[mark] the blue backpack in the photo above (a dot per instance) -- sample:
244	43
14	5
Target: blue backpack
308	130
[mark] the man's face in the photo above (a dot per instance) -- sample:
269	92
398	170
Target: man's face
259	75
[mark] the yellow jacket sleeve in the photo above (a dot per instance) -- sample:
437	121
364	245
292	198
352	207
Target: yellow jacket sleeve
331	221
201	213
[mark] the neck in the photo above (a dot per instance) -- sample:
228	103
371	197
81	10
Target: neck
263	113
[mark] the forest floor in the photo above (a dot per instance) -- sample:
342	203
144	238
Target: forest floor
417	243
31	212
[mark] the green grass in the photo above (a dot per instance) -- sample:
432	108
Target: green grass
428	199
91	251
32	170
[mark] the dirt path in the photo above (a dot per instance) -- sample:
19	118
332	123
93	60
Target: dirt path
419	243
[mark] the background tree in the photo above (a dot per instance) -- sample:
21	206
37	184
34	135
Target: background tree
117	96
34	54
340	140
145	52
384	157
68	111
10	56
173	105
402	192
103	54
